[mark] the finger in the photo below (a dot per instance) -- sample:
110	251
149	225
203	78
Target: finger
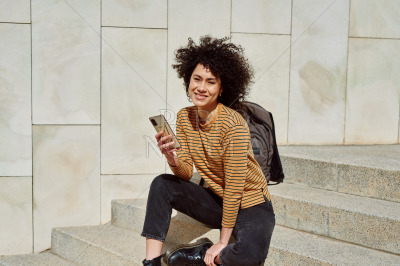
206	260
164	148
159	134
212	260
165	139
167	146
169	151
174	150
162	140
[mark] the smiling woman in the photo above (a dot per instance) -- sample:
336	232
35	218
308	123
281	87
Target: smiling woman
204	89
224	60
216	140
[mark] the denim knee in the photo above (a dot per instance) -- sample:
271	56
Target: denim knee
242	254
159	182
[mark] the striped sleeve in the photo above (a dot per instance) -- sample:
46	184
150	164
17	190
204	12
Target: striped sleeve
184	169
235	166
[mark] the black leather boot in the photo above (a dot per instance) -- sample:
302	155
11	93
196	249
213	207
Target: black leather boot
153	262
188	254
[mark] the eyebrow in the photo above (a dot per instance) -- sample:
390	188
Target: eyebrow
197	75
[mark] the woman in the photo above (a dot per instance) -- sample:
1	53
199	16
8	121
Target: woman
216	140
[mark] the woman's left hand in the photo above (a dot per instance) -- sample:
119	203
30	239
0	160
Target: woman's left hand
212	253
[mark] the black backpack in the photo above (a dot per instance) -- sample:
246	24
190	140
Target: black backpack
263	140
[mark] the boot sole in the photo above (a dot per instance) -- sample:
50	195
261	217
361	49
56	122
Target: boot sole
198	243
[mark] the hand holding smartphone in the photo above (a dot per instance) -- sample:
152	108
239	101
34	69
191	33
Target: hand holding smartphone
160	124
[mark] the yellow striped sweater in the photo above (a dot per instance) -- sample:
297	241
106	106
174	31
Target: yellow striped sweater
222	154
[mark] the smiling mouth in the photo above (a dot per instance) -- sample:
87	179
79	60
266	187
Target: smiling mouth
200	96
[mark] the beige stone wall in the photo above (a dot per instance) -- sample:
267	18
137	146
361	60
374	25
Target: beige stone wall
78	80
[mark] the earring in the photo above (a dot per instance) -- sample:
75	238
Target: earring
220	94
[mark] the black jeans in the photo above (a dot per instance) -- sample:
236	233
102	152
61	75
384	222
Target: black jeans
253	228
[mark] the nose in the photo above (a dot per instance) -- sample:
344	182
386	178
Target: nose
202	87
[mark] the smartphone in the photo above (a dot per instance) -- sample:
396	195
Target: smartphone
160	124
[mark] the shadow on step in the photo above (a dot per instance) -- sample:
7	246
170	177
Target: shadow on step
184	229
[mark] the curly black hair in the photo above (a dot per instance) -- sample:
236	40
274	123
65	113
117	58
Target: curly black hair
225	60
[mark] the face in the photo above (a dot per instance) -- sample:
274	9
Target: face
204	88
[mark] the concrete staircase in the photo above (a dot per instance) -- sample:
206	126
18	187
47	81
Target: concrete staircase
339	205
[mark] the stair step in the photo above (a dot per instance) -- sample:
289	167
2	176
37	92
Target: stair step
293	247
288	246
99	245
130	214
372	171
41	259
368	222
110	245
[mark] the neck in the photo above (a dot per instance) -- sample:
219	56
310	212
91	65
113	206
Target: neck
207	115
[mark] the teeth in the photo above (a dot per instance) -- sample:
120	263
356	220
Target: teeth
200	96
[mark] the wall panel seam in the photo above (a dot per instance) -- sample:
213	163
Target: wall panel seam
230	22
290	72
127	27
347	76
9	22
262	33
101	102
377	38
66	125
32	195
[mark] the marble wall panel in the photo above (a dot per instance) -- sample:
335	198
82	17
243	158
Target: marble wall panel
261	16
188	18
318	72
16	215
15	100
270	56
122	187
133	89
138	13
66	179
371	18
66	62
373	91
15	11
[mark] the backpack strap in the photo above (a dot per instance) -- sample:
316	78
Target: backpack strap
276	164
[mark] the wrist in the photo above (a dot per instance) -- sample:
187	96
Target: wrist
172	162
226	233
223	242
